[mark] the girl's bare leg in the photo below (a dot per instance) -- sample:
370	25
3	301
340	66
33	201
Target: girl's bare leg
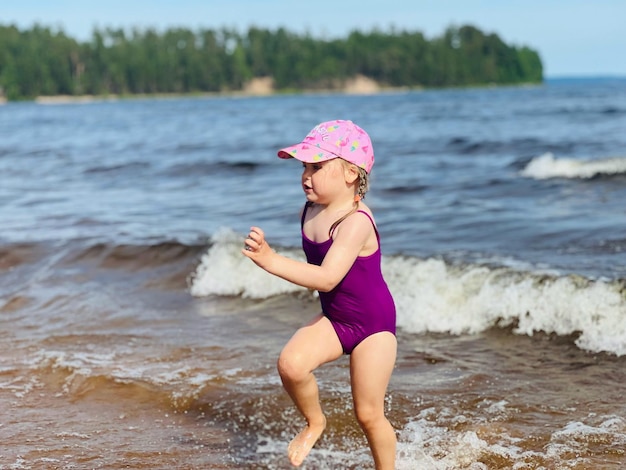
371	365
311	346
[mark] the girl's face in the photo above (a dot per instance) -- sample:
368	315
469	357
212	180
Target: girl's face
323	181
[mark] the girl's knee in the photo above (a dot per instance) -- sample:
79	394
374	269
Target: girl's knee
369	416
291	367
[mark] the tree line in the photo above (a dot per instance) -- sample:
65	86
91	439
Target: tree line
45	61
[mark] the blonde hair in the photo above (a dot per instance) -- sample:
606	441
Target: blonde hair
364	184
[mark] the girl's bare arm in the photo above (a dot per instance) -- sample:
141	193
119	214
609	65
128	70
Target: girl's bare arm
349	239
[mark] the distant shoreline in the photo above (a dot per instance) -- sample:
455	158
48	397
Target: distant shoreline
263	86
356	91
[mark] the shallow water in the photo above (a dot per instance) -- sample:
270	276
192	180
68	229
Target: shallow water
109	362
135	335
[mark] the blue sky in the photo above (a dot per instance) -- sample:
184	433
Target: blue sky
573	37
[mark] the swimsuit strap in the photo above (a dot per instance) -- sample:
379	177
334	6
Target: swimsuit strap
306	207
368	216
309	204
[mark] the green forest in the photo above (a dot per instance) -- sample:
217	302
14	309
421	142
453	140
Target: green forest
43	61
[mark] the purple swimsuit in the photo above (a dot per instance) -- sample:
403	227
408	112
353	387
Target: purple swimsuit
361	304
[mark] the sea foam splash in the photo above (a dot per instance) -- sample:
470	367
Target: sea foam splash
434	296
223	270
546	166
427	445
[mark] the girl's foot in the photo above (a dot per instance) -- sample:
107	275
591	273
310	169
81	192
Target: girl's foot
302	444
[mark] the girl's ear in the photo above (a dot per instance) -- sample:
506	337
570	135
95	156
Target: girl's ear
352	173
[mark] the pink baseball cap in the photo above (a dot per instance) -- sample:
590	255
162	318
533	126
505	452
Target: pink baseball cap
334	139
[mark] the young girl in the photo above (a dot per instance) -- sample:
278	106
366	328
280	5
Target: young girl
358	317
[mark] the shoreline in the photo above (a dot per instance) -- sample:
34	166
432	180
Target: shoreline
258	87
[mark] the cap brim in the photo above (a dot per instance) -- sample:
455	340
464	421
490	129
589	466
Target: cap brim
306	153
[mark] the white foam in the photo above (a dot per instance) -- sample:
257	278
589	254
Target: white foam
21	386
577	435
270	454
76	362
426	445
434	297
223	270
546	166
432	442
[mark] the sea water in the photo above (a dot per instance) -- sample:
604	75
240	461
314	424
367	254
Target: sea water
135	335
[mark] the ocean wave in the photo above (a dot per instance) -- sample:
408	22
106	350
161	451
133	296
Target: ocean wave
209	168
17	254
104	255
223	270
434	296
79	374
132	168
134	257
165	265
404	189
468	146
546	166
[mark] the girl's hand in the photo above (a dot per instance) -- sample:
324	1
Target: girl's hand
256	247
